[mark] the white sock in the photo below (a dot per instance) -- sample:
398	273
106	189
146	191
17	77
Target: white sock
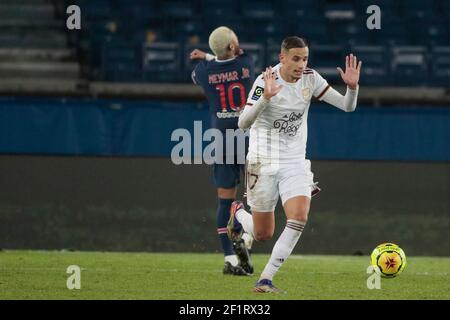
283	248
233	259
248	240
246	220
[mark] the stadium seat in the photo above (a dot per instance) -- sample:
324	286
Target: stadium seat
340	11
161	61
433	32
320	34
177	9
440	65
375	69
325	59
139	14
97	11
410	65
120	58
419	9
257	10
273	30
393	31
218	9
257	52
289	7
353	33
183	30
329	26
445	8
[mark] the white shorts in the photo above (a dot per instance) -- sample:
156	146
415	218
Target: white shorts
266	182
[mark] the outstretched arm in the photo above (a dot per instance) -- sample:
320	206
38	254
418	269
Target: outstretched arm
346	103
198	73
199	54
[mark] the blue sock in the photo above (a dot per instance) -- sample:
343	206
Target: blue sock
223	214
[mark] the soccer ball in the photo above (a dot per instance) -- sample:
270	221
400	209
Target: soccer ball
388	260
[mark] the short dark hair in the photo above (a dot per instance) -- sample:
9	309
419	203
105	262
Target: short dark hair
293	42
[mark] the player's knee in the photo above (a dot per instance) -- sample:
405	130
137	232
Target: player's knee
303	219
300	216
263	235
224	193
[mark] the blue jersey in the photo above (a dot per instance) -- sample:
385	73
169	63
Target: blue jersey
226	85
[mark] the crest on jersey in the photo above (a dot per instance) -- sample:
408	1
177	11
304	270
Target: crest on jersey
306	92
257	93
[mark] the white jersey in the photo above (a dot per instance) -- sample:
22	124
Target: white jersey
279	134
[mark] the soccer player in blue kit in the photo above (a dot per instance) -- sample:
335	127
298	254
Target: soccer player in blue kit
226	79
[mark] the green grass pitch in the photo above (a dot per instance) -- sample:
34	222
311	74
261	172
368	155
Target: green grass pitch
173	276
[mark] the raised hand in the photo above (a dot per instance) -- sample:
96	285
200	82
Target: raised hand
270	86
197	54
352	70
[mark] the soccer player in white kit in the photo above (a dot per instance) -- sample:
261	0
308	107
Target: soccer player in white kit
276	113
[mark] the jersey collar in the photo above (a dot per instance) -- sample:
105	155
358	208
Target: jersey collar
228	60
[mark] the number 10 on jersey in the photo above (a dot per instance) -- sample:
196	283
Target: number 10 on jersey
228	94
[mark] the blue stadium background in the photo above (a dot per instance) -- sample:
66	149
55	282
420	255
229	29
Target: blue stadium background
149	40
144	128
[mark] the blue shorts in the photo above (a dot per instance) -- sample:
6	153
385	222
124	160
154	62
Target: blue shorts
227	176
